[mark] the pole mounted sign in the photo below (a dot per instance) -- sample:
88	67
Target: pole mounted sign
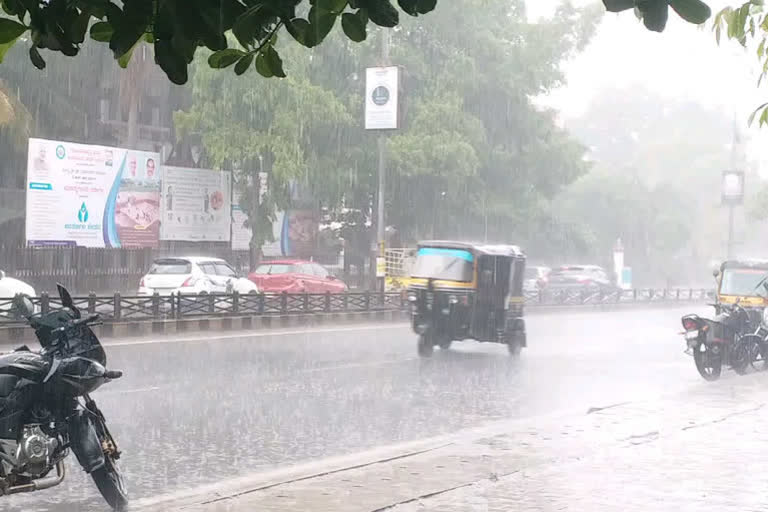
381	98
733	188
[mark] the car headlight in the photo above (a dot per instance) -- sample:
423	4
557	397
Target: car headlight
412	297
452	299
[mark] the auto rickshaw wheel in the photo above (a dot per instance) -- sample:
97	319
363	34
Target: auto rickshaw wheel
426	345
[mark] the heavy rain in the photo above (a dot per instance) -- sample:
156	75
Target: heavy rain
371	255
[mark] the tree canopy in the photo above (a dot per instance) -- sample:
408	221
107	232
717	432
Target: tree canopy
177	28
473	149
655	13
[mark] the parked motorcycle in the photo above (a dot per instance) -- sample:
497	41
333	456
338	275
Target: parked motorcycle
46	409
731	339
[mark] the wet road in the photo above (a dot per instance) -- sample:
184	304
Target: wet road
200	411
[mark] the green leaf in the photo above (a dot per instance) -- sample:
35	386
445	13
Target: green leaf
5	47
102	31
10	30
125	58
298	28
262	66
80	26
225	58
274	62
321	22
753	114
382	12
354	25
425	6
36	58
618	5
336	6
247	26
13	7
170	61
243	64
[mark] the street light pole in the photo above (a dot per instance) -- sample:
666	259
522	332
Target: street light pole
380	283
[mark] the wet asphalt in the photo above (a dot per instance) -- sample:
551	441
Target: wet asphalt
200	411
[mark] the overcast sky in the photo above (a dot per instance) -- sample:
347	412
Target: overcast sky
684	62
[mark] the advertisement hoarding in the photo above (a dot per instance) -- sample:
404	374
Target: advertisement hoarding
91	196
196	205
381	98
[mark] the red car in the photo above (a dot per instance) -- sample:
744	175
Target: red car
295	276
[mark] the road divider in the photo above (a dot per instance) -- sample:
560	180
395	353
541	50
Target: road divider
161	315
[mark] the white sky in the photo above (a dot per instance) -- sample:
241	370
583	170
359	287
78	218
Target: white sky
684	61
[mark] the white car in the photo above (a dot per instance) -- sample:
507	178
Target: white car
10	287
193	276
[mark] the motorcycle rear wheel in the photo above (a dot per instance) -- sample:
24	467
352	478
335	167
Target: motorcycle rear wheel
709	366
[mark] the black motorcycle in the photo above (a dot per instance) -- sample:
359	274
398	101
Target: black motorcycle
46	409
730	339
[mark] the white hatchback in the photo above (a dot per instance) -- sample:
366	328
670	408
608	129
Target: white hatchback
193	276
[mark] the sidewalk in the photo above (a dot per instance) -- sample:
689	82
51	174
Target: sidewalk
701	450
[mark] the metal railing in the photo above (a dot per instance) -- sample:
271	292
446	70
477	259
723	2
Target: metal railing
118	307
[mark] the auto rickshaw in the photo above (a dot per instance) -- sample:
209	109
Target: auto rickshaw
741	281
460	291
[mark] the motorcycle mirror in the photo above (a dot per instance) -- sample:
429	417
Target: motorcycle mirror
23	306
66	300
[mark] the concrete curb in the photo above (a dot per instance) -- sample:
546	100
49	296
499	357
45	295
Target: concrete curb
138	328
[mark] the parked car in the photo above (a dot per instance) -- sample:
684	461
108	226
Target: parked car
194	276
536	278
580	277
295	276
9	288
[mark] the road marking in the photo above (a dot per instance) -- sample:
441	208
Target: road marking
224	337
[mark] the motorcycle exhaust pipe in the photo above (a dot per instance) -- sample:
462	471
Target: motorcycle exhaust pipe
41	483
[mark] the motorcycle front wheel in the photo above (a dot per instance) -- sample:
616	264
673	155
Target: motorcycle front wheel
109	481
709	366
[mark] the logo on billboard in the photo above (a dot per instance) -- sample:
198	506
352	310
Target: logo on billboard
380	95
60	152
82	213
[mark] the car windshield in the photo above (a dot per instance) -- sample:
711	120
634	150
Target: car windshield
171	267
278	268
743	282
448	264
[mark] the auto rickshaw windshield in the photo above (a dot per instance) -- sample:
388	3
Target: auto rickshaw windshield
445	264
744	282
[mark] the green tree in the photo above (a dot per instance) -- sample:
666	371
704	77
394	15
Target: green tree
275	126
177	28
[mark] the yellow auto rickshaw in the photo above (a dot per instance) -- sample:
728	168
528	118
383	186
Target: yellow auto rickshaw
461	291
742	282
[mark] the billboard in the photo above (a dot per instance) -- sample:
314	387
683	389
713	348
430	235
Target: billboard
381	98
196	205
91	196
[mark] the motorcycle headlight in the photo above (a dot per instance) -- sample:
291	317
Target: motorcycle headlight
412	297
453	299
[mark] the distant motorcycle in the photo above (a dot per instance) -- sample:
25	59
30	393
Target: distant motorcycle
46	409
731	339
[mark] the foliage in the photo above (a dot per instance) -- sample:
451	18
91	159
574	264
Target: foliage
747	24
472	149
653	184
655	13
177	28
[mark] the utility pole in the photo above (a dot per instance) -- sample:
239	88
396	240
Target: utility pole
379	251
